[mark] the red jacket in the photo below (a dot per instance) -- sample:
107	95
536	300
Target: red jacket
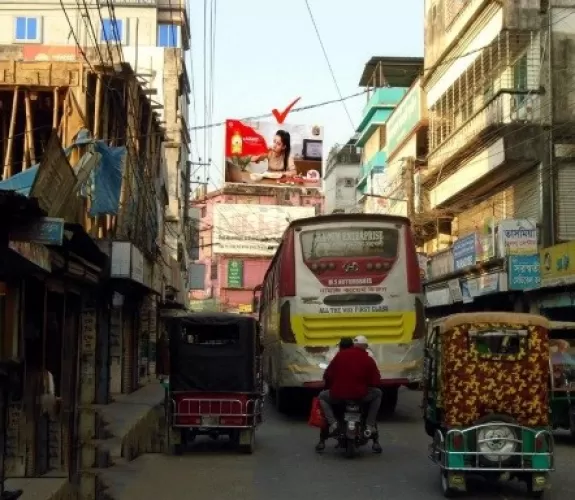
351	373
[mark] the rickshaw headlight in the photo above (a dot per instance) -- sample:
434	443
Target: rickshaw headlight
496	442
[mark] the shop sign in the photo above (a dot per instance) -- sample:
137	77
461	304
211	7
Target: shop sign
404	118
517	237
465	252
558	264
235	274
35	253
438	297
485	284
486	242
524	272
45	231
245	308
440	264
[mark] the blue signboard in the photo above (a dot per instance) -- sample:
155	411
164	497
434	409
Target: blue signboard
464	252
45	231
524	272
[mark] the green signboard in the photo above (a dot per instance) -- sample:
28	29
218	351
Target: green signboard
404	119
235	274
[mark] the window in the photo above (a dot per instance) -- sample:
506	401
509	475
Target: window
495	342
214	271
112	31
27	29
168	35
520	82
203	212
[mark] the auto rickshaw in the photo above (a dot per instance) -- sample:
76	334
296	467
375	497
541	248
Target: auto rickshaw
215	379
486	399
562	356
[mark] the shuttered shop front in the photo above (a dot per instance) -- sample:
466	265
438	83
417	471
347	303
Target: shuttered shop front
566	200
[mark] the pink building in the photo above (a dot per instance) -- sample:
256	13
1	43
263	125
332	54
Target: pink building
233	270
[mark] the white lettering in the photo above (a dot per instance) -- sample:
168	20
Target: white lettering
363	289
349	281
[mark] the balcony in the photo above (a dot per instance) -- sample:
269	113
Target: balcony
507	111
379	107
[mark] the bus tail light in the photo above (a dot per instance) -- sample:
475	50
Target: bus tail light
286	333
287	267
412	263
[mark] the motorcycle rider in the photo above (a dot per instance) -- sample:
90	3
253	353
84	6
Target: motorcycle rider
351	375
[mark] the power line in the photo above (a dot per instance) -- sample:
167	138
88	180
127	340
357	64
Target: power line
342	100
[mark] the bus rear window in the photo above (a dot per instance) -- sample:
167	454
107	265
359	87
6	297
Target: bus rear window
210	337
344	243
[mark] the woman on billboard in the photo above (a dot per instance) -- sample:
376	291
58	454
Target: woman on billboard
279	156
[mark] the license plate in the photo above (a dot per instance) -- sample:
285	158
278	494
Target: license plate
352	417
210	421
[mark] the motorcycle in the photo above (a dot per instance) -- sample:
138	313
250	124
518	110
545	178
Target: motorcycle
352	432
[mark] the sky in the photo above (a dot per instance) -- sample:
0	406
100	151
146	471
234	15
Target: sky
267	54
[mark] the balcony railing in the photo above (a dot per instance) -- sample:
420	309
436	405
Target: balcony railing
487	124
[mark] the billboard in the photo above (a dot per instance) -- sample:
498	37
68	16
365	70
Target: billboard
254	154
252	229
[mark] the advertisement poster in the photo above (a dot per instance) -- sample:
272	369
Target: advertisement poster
269	154
517	237
242	229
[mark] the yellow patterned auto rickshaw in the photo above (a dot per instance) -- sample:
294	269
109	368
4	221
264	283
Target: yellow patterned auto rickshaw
486	399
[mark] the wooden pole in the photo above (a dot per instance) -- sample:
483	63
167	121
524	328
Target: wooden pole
10	144
30	128
55	104
410	187
98	107
25	151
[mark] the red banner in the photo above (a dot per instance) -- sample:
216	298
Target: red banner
243	140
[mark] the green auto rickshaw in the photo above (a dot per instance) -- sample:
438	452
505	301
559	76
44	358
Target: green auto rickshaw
486	399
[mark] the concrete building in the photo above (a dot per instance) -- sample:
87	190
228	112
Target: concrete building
483	86
152	36
500	176
387	80
234	239
341	177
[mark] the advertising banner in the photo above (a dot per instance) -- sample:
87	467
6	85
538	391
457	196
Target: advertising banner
235	274
269	154
252	229
558	264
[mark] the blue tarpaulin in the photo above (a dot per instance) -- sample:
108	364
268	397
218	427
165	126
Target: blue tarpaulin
107	180
22	182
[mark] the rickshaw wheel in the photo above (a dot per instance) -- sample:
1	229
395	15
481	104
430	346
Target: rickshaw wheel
447	491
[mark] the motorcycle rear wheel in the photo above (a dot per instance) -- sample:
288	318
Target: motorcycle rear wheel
350	448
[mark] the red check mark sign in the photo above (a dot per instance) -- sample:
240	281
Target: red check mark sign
280	117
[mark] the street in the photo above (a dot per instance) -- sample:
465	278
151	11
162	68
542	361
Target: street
285	466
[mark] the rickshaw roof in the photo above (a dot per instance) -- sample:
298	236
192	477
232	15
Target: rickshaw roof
562	325
215	319
524	319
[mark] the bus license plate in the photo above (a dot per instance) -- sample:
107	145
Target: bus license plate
210	421
352	417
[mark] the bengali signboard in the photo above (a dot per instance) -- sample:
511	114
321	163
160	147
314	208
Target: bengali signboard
242	229
404	118
465	252
235	274
524	272
269	154
517	237
441	264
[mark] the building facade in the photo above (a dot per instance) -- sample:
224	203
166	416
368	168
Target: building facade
237	226
386	80
341	177
152	36
500	157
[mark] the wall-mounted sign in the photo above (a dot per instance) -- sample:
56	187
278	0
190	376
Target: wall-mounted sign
45	231
465	252
235	274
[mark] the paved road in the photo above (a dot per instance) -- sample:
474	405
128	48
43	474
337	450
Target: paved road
286	467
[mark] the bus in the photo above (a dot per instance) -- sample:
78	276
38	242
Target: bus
341	275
